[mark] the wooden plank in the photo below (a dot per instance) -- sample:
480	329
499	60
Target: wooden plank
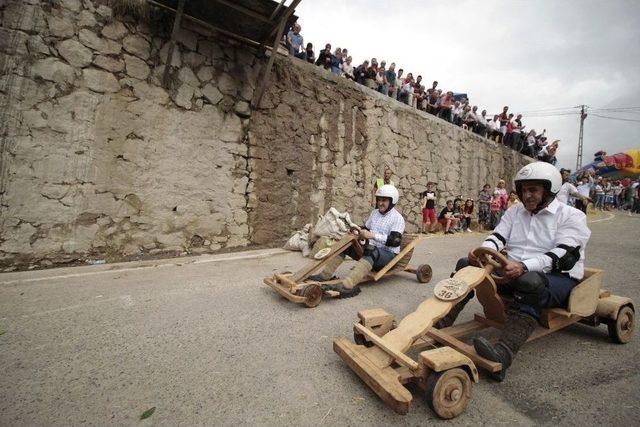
245	11
374	316
383	381
443	358
491	302
458	331
396	259
465	349
337	248
583	299
399	357
283	291
172	43
539	332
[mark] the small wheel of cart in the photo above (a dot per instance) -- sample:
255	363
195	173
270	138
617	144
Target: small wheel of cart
312	294
424	273
448	392
621	331
359	339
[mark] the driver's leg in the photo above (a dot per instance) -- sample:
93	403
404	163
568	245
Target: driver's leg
348	287
453	314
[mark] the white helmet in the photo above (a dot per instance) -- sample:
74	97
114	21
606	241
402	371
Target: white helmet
542	172
389	191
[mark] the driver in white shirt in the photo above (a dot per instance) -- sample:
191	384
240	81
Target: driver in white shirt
545	241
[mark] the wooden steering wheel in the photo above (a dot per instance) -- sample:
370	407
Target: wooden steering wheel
358	243
486	257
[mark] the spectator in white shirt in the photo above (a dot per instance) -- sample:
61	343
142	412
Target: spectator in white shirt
568	189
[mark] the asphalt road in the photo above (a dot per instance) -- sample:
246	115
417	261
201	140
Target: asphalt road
205	343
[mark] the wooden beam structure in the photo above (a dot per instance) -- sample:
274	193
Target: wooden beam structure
264	81
172	43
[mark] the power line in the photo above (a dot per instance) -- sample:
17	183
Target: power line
548	109
615	108
614	118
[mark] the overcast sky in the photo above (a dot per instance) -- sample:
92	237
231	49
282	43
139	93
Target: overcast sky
529	55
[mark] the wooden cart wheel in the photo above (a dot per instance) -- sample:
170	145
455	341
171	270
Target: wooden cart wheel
312	294
424	273
621	331
359	339
448	392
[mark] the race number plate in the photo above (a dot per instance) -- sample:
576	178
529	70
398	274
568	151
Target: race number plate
322	253
450	289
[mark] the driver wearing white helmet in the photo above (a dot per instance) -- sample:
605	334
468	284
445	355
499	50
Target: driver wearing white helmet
383	229
545	241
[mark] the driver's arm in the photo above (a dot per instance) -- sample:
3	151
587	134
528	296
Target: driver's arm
397	226
498	239
570	241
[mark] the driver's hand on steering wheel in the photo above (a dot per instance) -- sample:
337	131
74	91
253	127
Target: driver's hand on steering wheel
512	270
366	234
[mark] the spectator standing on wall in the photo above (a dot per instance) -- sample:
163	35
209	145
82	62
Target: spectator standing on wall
311	56
336	62
484	205
347	68
390	88
399	80
372	71
456	113
380	80
446	106
379	182
493	126
481	123
504	119
295	42
361	72
323	55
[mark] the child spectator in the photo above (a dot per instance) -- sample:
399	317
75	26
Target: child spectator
336	62
446	218
429	209
347	68
484	204
467	213
311	56
513	199
457	212
496	207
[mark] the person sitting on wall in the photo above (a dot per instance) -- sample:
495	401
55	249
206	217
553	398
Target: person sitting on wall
545	241
386	180
295	42
383	230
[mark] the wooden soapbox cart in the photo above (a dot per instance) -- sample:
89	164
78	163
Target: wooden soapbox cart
298	288
380	353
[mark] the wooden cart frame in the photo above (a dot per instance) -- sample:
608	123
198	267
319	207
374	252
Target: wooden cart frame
380	357
297	288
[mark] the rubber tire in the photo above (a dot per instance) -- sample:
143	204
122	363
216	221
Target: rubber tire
312	294
436	392
424	273
621	331
359	339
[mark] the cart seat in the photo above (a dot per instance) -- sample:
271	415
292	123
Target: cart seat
404	261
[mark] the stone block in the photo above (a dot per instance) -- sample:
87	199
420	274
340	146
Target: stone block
193	59
18	239
60	26
183	96
75	53
109	63
104	11
171	240
53	70
24	17
100	81
155	94
137	45
227	84
37	46
136	67
97	43
87	19
185	75
188	39
176	60
115	30
72	5
205	74
212	93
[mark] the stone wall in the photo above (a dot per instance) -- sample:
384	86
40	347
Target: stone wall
99	160
320	141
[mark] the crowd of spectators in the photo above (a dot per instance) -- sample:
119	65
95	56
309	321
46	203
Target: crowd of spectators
503	128
606	194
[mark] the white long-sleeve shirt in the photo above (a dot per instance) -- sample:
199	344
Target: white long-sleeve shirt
382	225
567	190
528	237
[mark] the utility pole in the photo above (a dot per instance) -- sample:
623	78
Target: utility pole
583	116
